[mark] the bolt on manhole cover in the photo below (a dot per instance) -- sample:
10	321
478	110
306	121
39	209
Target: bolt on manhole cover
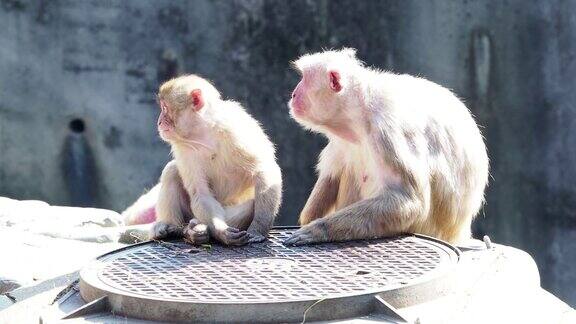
260	282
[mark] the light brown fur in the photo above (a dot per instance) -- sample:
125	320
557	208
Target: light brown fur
224	180
404	153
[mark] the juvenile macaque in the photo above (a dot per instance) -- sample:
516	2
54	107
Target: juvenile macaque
224	181
404	154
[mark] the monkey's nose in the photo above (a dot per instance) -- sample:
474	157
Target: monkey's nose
293	94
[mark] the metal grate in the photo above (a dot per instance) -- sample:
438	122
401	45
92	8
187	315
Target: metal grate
271	272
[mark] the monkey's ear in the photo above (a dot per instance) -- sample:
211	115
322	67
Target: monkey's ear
197	99
335	83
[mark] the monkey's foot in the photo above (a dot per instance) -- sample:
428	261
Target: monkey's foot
314	232
196	234
232	236
255	237
162	230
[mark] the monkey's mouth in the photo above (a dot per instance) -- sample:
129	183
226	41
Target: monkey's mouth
299	111
165	132
164	129
296	110
166	126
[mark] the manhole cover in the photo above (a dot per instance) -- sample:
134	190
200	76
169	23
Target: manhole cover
261	282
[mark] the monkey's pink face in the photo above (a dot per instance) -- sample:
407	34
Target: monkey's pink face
314	100
299	103
165	122
179	122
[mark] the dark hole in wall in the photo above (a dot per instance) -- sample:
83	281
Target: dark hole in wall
77	125
78	167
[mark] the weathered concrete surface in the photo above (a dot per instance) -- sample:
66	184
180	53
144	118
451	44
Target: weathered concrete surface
28	310
40	241
33	257
77	83
39	217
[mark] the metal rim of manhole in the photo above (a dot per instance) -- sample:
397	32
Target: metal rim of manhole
267	281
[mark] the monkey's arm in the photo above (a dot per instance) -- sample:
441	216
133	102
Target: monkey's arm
240	216
267	199
321	200
399	203
211	213
170	217
388	214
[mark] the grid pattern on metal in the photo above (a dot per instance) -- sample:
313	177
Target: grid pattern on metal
272	272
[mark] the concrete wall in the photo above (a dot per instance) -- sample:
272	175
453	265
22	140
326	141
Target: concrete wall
77	84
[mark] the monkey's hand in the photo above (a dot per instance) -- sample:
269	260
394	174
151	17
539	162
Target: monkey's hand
314	232
196	233
255	237
162	230
231	236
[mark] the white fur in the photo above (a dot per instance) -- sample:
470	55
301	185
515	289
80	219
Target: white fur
384	129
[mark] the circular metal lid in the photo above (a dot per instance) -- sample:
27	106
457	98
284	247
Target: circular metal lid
261	282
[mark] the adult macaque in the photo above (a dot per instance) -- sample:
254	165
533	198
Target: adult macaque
404	154
224	181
